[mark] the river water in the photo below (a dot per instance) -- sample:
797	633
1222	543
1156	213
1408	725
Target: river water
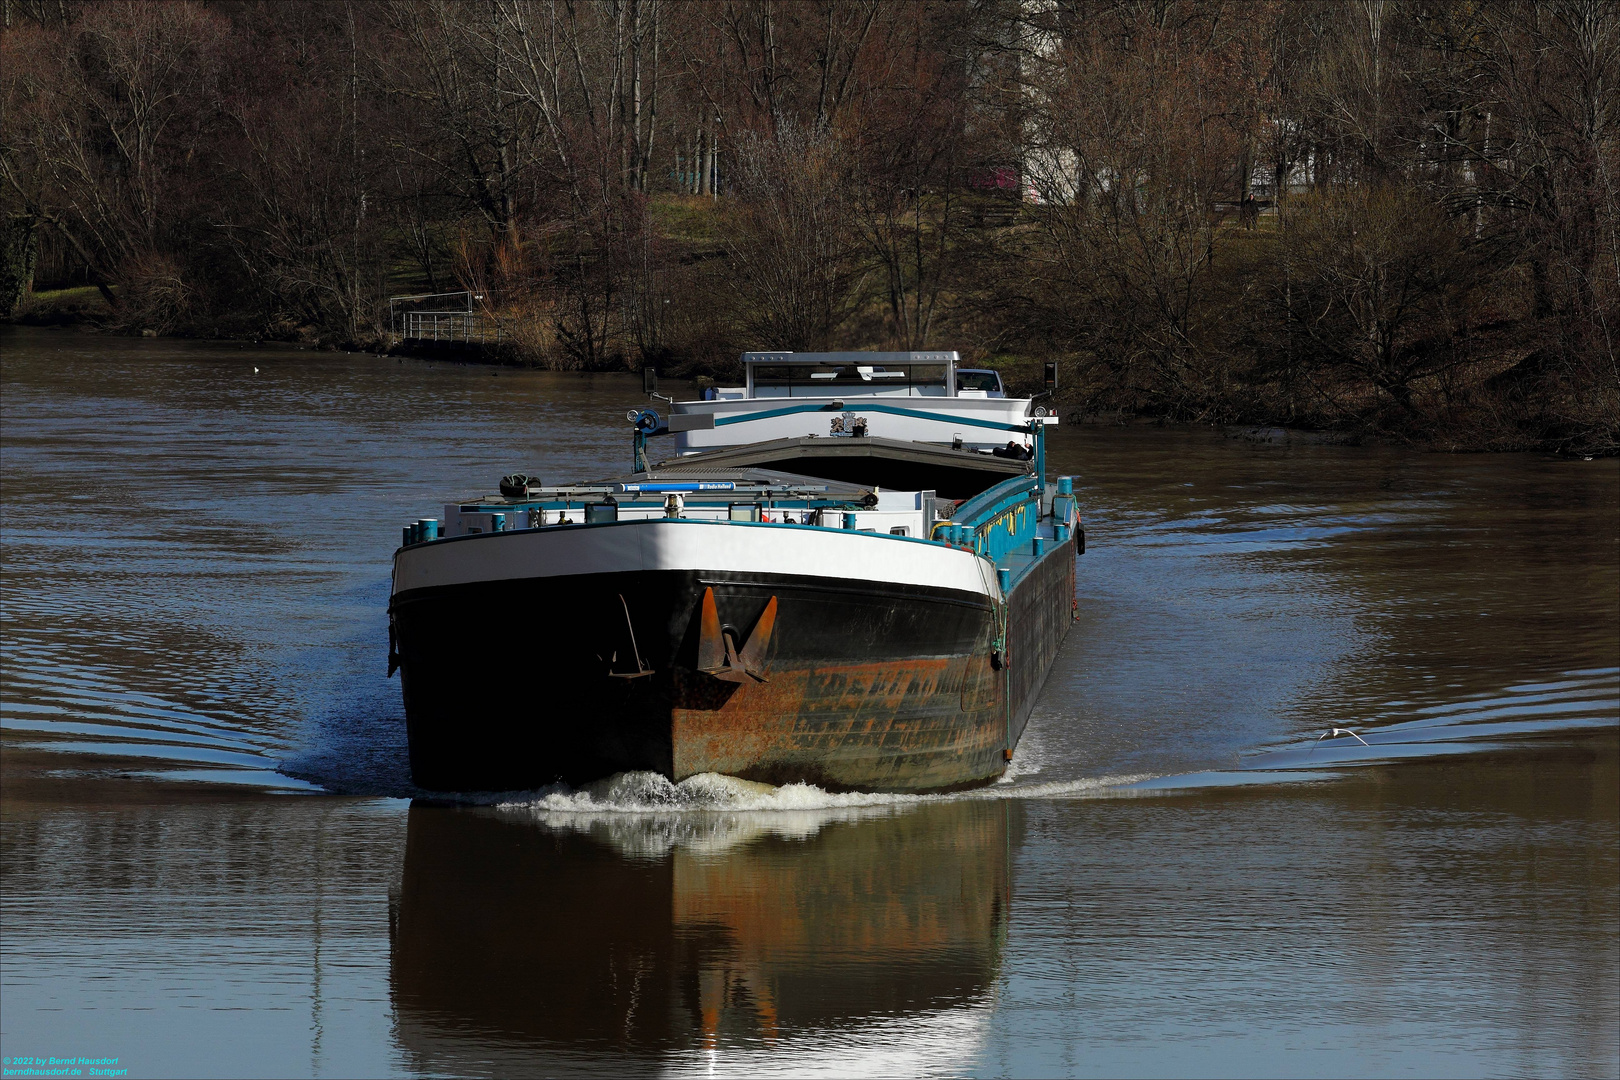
212	864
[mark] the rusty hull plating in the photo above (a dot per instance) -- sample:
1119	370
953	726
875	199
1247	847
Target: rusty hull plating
780	680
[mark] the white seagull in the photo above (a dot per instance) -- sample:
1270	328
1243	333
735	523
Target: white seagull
1334	733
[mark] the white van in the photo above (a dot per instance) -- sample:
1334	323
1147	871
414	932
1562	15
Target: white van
979	382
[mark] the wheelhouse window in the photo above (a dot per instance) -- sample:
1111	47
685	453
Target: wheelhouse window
987	381
821	380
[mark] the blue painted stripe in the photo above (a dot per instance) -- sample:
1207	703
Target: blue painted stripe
698	485
771	413
945	418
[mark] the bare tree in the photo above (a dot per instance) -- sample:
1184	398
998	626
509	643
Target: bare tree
792	244
1385	297
588	74
910	156
103	118
307	174
784	64
1132	154
462	123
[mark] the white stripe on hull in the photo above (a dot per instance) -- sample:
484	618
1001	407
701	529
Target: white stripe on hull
715	546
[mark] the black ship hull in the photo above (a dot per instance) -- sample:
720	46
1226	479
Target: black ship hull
846	683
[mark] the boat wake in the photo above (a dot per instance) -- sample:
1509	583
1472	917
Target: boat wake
1580	704
648	793
645	815
360	750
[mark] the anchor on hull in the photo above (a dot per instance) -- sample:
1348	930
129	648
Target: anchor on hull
720	656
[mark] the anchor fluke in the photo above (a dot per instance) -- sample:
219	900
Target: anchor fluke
721	656
642	670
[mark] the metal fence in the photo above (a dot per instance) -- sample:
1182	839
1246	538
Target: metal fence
471	327
462	323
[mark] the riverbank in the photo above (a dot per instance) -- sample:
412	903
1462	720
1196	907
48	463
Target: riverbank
1514	397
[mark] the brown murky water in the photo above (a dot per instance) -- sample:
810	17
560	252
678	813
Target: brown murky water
211	864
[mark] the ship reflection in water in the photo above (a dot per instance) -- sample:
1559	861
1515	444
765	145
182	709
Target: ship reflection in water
847	940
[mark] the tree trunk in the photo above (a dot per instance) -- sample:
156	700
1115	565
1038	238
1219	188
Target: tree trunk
713	162
19	252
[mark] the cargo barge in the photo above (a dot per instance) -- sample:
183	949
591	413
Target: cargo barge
856	588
